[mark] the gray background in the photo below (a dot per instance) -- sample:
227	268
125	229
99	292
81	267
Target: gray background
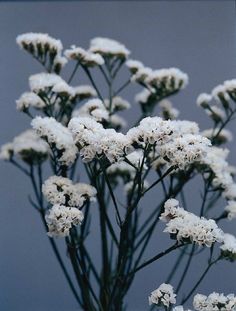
198	37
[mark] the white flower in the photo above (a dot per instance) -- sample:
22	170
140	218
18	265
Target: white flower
185	150
184	225
61	190
108	47
143	97
220	93
28	146
230	87
92	139
163	296
214	302
39	41
60	220
84	91
203	100
86	58
152	130
117	104
183	127
117	122
170	79
142	74
216	113
6	151
231	209
230	191
43	81
93	108
56	134
168	111
62	88
228	249
29	99
224	135
134	65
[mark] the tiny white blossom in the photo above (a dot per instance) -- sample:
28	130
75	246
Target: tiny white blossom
60	220
203	100
231	209
29	99
134	65
56	134
86	58
184	225
163	296
228	249
108	47
214	302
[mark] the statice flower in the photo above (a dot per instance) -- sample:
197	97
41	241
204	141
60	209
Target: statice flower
214	302
39	42
57	136
143	97
203	100
185	150
60	220
94	108
231	209
163	296
217	114
228	249
219	93
27	146
183	127
29	99
61	190
152	130
108	48
167	80
134	65
141	75
117	122
218	136
42	82
92	139
84	92
85	58
230	88
168	112
117	104
185	226
44	48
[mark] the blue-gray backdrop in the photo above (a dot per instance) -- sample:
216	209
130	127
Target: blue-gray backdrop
196	36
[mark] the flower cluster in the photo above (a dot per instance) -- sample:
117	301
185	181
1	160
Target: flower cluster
44	48
57	136
163	296
93	140
29	99
61	190
60	220
168	112
185	226
228	249
214	302
27	146
85	58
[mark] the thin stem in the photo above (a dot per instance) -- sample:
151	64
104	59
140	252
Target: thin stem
158	256
73	73
122	87
92	81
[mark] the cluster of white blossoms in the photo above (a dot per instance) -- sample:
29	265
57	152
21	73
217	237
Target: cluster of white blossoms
60	220
218	135
82	92
185	226
65	198
27	146
231	209
168	112
44	82
151	130
163	296
108	48
228	248
29	99
93	140
85	58
162	81
61	190
214	302
57	136
44	48
183	151
215	159
93	108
